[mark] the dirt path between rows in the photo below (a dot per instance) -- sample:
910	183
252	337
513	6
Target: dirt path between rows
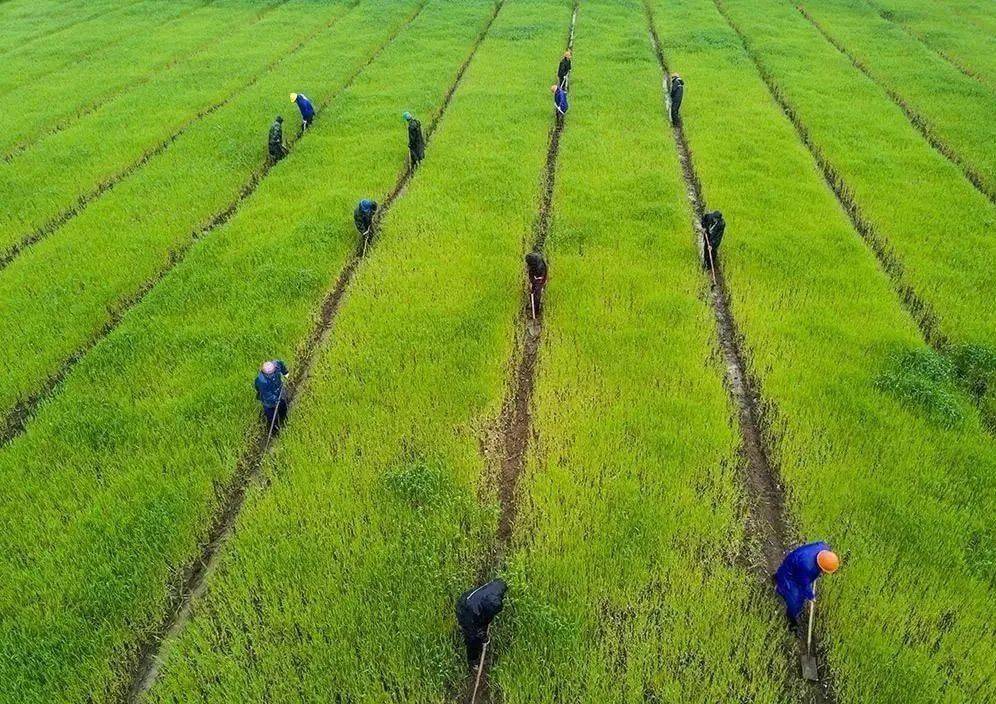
13	423
194	581
767	521
514	425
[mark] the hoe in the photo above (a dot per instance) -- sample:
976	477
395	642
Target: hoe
808	660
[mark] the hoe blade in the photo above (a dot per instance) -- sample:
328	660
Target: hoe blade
809	671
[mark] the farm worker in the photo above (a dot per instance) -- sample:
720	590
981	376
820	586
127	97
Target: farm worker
795	579
270	391
564	70
536	270
714	226
416	141
306	108
475	610
559	101
676	92
278	150
363	215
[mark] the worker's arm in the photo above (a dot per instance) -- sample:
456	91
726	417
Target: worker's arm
281	367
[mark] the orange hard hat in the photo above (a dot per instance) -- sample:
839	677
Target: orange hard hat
828	561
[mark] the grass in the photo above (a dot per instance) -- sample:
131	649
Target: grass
106	145
903	497
30	111
382	463
630	576
28	21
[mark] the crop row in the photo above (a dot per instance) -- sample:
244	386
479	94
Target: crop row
950	109
26	21
881	454
34	60
61	174
120	468
943	27
64	96
933	231
344	568
629	571
66	291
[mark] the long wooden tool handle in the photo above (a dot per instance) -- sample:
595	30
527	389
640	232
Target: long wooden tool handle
480	670
809	638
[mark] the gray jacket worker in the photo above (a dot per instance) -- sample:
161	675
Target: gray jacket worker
416	140
676	92
278	150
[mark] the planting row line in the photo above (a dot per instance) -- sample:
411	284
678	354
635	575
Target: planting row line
67	292
64	173
26	21
880	454
122	468
628	572
343	571
30	112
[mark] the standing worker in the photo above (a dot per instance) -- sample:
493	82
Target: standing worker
306	108
676	92
795	580
714	226
475	610
536	270
559	101
416	141
564	70
270	392
278	149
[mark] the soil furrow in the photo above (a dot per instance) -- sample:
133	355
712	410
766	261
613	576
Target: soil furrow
102	188
14	422
919	123
514	424
89	108
767	516
917	308
964	70
194	580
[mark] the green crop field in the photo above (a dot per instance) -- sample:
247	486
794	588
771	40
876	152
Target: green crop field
634	460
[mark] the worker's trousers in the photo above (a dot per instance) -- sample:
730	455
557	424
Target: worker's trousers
280	411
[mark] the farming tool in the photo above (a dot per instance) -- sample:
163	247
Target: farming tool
366	241
708	248
273	420
808	660
532	302
480	669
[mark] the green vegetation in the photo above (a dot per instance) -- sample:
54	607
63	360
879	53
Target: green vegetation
905	498
151	256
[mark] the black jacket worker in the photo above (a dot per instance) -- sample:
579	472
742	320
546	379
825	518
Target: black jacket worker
714	226
475	610
536	270
564	70
676	92
278	150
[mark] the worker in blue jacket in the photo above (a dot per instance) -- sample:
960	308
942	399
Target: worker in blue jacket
559	101
306	108
270	392
797	575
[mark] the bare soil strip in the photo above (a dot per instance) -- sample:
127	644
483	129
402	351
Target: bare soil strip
917	308
93	106
86	199
915	119
766	514
514	426
194	581
14	422
916	35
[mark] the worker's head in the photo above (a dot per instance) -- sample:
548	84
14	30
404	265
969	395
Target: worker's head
293	97
675	76
553	88
268	367
828	561
567	54
280	118
407	116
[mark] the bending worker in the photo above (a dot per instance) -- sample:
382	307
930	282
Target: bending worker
270	392
536	270
416	141
564	70
306	108
278	149
714	226
559	101
363	216
795	580
475	610
676	91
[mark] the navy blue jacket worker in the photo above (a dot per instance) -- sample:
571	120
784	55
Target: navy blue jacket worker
306	108
559	101
796	577
270	391
364	214
475	610
714	226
